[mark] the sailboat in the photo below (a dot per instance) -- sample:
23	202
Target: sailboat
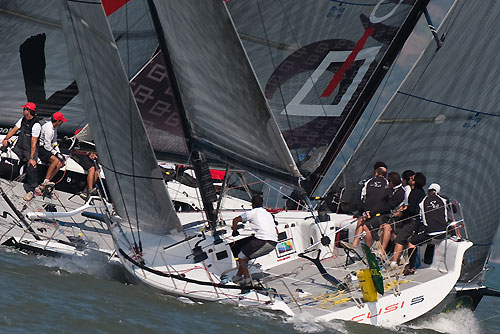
36	68
219	100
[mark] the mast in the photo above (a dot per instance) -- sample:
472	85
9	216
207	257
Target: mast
200	165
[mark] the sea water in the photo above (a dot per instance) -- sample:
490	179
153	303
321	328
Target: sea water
47	295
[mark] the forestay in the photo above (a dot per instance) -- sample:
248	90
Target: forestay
226	113
136	185
133	32
444	121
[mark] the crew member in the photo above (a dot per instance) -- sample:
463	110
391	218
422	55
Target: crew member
405	227
48	151
372	196
261	243
405	180
26	145
392	203
434	217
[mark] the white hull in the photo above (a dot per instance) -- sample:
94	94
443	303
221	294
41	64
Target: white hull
289	283
282	271
55	231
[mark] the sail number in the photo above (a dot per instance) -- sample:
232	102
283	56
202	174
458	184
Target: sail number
472	122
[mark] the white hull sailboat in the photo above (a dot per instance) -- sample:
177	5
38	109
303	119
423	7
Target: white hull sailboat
285	281
61	223
306	272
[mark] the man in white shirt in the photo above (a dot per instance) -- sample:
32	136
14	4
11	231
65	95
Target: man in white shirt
261	243
48	151
26	145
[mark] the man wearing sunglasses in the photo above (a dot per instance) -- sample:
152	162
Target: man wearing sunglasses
26	146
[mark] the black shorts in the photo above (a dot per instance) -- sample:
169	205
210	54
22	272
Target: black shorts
252	247
377	221
84	161
404	231
44	155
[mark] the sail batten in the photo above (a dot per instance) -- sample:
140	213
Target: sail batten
135	182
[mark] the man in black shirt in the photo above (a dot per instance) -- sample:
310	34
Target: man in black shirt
372	196
26	145
409	217
394	200
434	217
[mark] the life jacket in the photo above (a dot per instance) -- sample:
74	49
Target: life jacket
23	144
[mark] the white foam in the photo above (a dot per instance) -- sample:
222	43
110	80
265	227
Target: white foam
186	300
458	321
93	264
306	323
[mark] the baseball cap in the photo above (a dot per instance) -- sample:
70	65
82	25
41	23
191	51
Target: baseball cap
30	106
435	187
59	116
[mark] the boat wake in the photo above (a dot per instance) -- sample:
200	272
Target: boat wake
95	265
306	323
458	321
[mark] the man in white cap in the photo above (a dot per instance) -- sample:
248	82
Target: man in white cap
434	218
434	187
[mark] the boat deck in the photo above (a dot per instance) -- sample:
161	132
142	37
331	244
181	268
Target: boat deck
300	284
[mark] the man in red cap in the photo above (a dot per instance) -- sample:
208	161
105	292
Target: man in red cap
26	145
48	151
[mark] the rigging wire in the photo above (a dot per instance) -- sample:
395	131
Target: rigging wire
278	190
132	153
393	122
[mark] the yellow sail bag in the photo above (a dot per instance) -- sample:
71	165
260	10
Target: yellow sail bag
366	285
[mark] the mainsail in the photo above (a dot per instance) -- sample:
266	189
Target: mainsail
35	63
319	63
444	120
136	185
225	113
